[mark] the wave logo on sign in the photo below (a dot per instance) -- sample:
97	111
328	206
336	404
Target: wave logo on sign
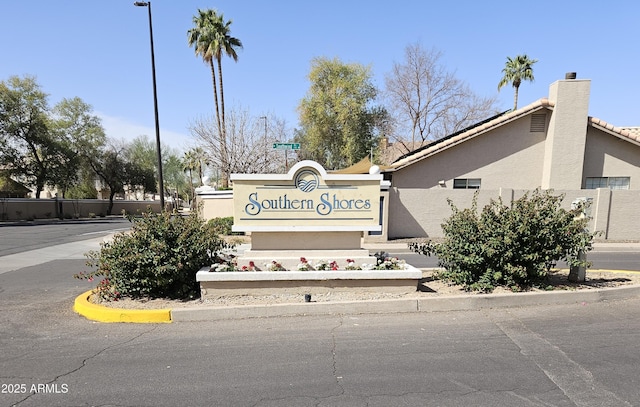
306	181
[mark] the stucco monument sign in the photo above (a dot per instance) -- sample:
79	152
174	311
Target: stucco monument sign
307	214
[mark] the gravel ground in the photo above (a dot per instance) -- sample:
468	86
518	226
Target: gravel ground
428	287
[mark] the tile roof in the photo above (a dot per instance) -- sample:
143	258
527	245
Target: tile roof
630	134
632	130
470	132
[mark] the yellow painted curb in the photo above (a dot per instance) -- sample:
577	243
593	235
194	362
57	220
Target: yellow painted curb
100	313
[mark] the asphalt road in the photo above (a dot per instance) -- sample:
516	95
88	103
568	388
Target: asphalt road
580	355
600	259
17	237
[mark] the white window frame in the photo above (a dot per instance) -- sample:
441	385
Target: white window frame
467	183
607	182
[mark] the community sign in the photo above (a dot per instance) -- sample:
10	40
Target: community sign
307	198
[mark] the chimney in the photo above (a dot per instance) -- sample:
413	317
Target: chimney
566	133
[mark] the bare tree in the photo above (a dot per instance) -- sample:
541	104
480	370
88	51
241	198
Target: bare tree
249	142
427	102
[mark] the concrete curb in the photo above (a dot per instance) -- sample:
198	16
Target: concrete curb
100	313
436	304
283	310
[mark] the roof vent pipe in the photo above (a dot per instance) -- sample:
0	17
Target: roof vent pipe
570	75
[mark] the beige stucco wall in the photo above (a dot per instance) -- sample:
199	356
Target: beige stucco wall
21	209
215	204
624	216
510	156
609	156
565	142
420	213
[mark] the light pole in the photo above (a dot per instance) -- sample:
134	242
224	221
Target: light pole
147	4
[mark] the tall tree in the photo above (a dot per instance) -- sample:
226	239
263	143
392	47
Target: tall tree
515	71
116	170
428	101
211	39
110	166
27	147
340	124
189	165
249	145
81	134
194	160
175	180
142	151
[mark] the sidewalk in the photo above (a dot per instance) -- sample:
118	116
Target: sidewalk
616	246
393	246
66	251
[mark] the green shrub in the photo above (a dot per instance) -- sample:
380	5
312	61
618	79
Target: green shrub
512	246
158	258
222	226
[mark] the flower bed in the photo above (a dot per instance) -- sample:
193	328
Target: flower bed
384	262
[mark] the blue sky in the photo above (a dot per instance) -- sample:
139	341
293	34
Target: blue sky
99	51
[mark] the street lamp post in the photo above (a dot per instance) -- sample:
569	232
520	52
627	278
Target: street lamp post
155	102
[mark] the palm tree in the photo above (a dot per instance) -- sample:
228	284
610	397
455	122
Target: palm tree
201	160
195	159
189	164
515	71
211	38
227	45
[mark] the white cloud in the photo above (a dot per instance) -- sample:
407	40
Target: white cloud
121	128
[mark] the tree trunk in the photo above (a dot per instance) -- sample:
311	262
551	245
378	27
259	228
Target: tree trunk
111	195
221	135
39	188
193	194
215	96
223	144
515	98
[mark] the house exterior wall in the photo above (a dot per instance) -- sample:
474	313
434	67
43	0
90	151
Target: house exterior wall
610	156
510	156
510	160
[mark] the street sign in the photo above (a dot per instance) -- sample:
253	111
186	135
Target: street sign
286	146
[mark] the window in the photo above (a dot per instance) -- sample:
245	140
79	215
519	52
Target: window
466	183
607	182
